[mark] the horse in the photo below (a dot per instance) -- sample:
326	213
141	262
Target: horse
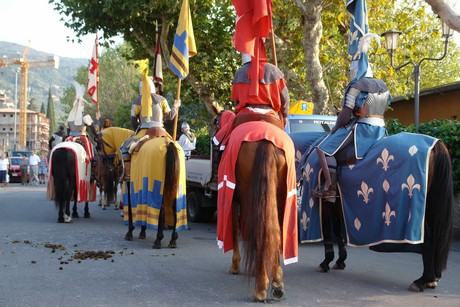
427	223
155	192
109	164
257	198
70	179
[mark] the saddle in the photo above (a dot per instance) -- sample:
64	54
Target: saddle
244	118
152	133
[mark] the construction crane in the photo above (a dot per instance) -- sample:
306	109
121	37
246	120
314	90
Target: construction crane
25	65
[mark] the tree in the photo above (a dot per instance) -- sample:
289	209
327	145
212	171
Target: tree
313	57
50	114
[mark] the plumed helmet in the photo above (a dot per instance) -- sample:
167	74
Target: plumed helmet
185	126
152	86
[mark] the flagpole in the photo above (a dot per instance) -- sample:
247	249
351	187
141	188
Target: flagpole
177	114
272	43
97	75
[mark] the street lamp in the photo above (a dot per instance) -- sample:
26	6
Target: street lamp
391	40
15	104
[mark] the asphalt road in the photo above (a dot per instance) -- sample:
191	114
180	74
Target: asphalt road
42	263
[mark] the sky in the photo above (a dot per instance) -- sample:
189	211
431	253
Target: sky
36	21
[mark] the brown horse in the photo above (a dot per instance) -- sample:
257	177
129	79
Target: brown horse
259	203
109	165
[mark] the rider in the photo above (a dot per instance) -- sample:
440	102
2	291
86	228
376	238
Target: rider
360	120
77	122
160	109
148	122
271	104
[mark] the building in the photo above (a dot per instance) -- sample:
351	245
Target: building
434	103
37	135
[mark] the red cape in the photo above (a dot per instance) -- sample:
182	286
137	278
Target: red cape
250	132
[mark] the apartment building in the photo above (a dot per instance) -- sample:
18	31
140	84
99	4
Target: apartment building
37	131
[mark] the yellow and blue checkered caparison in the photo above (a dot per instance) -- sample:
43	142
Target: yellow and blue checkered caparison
184	43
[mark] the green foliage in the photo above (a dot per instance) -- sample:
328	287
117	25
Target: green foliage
50	113
446	130
203	142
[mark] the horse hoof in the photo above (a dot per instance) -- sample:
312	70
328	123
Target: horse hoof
60	220
278	293
172	245
415	288
156	245
432	284
128	237
339	266
87	216
323	268
104	208
142	236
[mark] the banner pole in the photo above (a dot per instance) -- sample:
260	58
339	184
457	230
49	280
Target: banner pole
272	44
177	114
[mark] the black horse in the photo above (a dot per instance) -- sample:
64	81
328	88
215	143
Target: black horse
437	233
63	186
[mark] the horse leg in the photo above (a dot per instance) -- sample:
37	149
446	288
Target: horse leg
61	212
115	191
236	257
337	218
328	244
129	234
277	280
174	235
160	235
86	215
74	210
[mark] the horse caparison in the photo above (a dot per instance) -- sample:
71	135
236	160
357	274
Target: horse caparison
438	221
258	203
64	176
170	190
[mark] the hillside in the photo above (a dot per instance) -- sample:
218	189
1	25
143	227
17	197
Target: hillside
40	79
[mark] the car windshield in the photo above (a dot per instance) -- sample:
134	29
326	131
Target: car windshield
16	161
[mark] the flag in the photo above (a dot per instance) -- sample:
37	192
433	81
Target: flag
142	67
253	25
184	43
253	22
359	28
157	66
93	74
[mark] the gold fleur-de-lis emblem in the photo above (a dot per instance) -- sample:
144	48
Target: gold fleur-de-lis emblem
385	159
365	191
387	214
308	171
413	150
304	221
357	224
311	202
411	185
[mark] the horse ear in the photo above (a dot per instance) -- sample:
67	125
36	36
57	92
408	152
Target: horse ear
216	108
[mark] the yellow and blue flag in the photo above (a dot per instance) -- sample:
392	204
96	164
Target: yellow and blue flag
184	43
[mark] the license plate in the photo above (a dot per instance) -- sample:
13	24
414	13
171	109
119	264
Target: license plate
14	175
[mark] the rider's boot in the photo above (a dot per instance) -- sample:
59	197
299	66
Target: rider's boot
329	167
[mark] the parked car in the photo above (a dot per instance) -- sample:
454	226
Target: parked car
15	170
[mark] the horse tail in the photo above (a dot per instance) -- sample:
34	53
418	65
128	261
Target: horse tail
440	207
261	224
62	167
172	172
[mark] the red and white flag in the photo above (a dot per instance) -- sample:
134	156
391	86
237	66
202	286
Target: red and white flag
93	74
157	66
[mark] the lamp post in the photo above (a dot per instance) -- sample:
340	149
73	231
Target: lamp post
391	40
